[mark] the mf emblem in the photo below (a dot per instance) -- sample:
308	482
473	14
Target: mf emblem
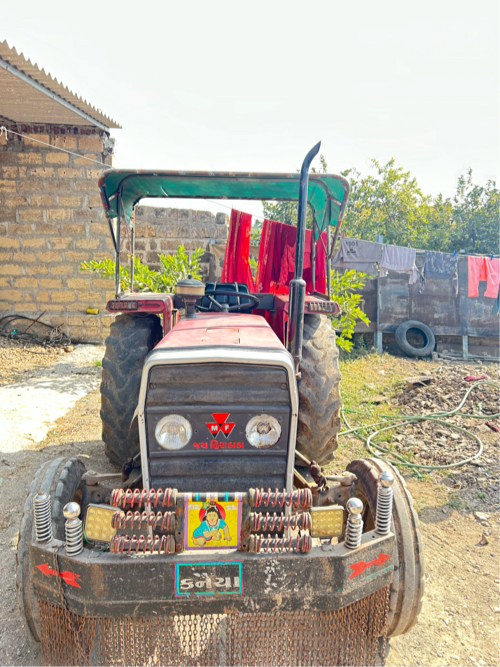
220	425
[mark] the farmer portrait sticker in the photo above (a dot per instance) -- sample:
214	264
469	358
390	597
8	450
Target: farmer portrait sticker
212	523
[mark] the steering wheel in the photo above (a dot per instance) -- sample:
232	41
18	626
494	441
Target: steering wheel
225	307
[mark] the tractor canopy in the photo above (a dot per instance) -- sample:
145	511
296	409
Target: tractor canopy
122	189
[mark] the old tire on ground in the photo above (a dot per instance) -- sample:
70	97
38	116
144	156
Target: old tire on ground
61	479
131	339
407	586
405	346
319	391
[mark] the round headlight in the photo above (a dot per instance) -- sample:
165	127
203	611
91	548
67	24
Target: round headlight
263	431
173	432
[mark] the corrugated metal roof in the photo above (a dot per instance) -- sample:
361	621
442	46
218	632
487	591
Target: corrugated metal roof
30	95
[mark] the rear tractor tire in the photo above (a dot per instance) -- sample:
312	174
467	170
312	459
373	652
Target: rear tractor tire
62	480
407	586
131	339
319	391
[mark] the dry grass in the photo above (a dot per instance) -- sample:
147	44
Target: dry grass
81	424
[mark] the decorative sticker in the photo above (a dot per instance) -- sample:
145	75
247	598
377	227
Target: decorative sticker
213	523
360	566
217	578
66	576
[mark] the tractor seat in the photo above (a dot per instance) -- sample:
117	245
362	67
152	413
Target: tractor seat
224	298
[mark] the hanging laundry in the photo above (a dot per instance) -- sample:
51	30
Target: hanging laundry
364	256
236	267
440	265
277	259
483	268
492	268
402	260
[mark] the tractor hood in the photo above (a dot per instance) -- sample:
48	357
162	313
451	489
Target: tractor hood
216	330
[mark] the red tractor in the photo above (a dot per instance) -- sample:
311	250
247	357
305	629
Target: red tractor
221	541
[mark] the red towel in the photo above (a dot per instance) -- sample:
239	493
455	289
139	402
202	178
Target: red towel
492	270
236	267
277	259
484	268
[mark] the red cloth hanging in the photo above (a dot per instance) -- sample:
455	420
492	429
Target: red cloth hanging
236	267
483	268
277	259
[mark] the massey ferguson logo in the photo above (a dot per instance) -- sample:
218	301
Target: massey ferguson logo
221	425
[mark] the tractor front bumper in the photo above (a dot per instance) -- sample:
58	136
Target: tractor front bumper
103	584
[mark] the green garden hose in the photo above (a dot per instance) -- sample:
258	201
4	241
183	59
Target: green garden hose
433	416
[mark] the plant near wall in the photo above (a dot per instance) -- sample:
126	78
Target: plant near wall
174	268
345	289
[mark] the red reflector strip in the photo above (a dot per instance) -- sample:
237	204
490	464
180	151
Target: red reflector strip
321	306
123	305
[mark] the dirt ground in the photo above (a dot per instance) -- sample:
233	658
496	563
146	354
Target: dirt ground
460	617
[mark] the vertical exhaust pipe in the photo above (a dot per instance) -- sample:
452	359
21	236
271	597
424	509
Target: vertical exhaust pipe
297	298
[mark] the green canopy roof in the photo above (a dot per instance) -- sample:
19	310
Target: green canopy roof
327	193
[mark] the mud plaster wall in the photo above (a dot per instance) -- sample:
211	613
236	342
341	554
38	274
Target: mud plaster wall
51	219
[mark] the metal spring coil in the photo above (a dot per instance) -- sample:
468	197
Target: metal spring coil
262	523
43	518
121	498
300	498
259	544
74	537
383	517
147	545
353	532
160	521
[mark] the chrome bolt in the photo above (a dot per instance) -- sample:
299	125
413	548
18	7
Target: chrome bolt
385	498
354	527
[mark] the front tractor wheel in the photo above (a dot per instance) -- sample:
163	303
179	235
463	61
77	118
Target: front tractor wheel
319	391
407	586
62	480
131	339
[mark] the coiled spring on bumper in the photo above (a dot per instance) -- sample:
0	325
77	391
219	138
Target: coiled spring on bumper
259	544
43	518
121	498
125	544
74	537
385	498
263	523
298	499
159	521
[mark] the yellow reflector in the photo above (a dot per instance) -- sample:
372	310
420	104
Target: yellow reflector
327	521
98	523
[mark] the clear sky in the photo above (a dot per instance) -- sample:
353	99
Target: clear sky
251	86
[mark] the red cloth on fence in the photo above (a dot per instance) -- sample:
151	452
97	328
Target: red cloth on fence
236	267
277	259
484	268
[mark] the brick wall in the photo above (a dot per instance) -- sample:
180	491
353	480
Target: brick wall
163	230
51	219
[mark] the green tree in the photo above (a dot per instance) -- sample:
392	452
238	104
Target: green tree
174	268
476	212
389	202
346	291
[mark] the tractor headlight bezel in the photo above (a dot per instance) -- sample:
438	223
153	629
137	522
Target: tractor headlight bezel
263	431
173	432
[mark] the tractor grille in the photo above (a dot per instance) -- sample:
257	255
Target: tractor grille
353	635
220	463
